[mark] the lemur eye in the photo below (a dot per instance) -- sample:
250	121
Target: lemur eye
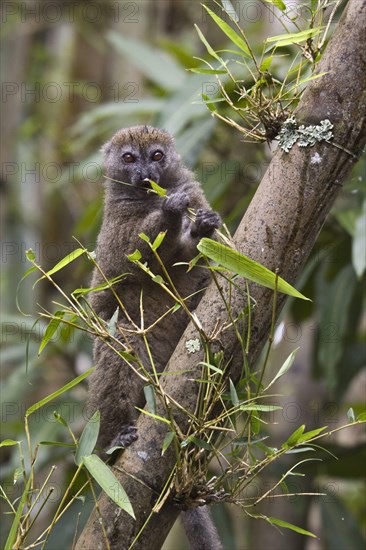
128	158
158	155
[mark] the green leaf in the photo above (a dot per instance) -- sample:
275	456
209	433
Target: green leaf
30	254
50	330
8	443
309	435
287	525
351	415
294	437
285	367
266	63
201	70
278	3
159	239
58	444
135	256
168	439
293	38
158	279
155	188
263	408
88	438
55	394
150	399
362	417
245	267
112	324
65	261
144	237
229	9
233	395
10	541
102	286
108	482
210	50
156	416
230	33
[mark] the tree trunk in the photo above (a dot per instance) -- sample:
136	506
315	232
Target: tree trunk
278	230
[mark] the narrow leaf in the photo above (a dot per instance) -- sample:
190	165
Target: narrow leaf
287	525
50	330
263	408
10	541
156	416
8	443
155	188
88	438
159	239
112	324
150	399
278	3
233	395
309	435
168	439
293	38
210	50
55	394
108	482
285	367
230	33
244	266
66	261
351	415
294	437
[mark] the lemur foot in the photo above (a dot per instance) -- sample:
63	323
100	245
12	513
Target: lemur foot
206	222
126	436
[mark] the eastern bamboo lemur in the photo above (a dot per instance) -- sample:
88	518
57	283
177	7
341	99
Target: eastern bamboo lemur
133	157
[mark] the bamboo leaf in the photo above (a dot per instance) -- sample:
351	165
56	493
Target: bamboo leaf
233	395
112	324
156	416
88	438
50	330
55	394
244	266
287	525
210	50
108	482
294	437
159	239
168	439
278	3
309	435
150	399
10	541
230	33
292	38
263	408
285	367
65	261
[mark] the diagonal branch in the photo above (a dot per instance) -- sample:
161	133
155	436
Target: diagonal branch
278	230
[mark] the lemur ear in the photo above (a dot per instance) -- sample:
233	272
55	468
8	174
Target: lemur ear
106	148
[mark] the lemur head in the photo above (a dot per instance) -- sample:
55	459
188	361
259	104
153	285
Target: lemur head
137	154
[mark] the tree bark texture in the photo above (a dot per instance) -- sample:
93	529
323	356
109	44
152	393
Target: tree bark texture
278	230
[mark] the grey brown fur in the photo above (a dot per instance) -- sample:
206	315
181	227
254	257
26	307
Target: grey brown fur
129	210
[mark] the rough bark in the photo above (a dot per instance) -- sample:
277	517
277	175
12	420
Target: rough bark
278	230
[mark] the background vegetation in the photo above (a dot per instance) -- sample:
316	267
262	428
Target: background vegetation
74	73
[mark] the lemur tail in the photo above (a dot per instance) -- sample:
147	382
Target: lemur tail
200	529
